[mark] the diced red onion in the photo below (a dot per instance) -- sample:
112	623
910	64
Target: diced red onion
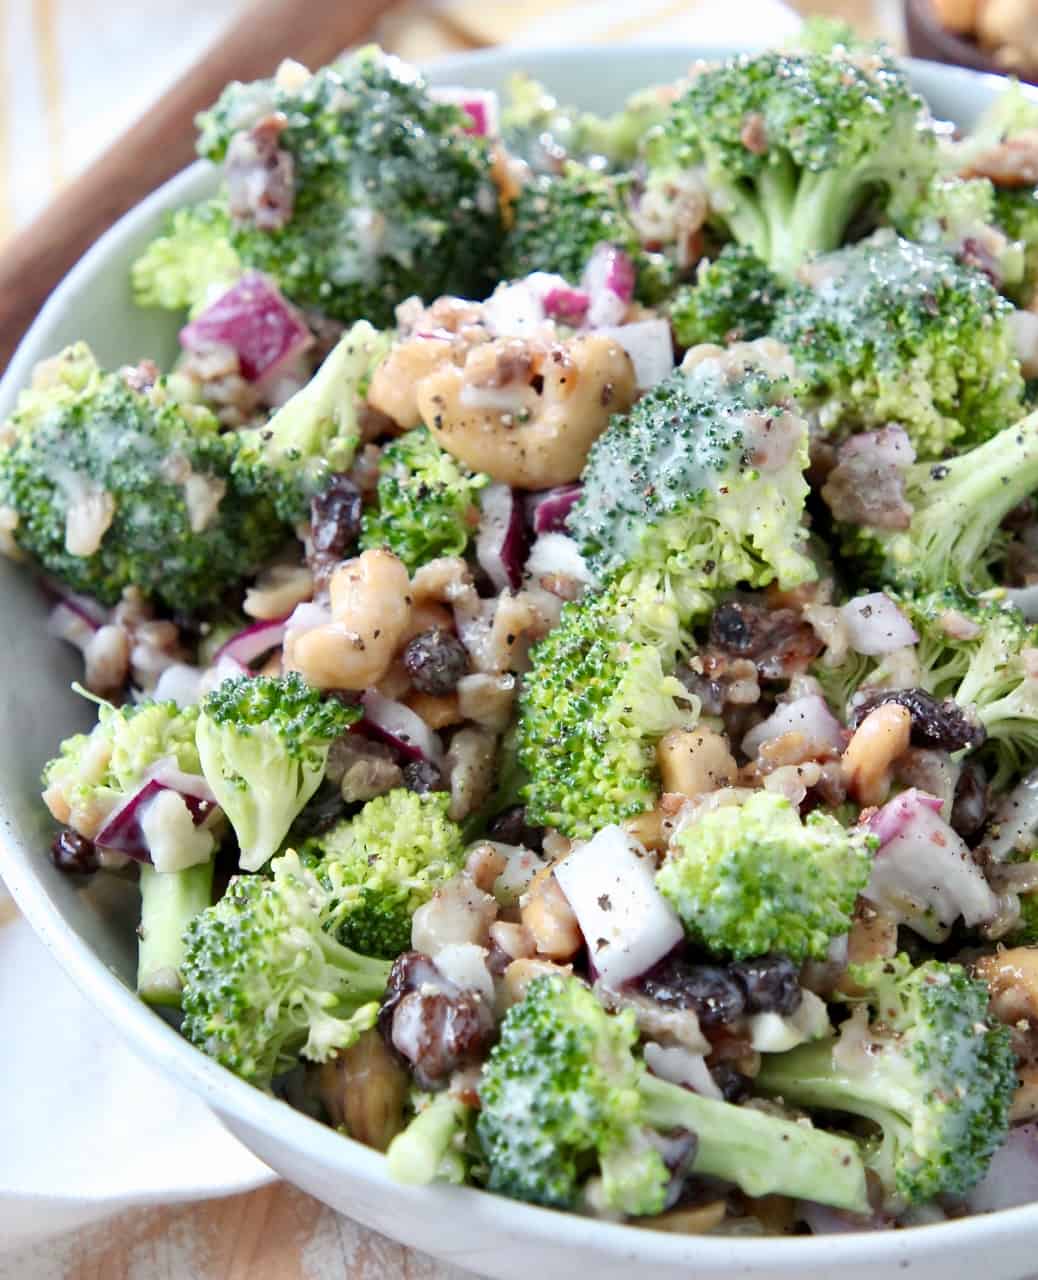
893	818
608	279
481	106
628	924
400	727
254	641
875	625
167	773
566	304
123	832
550	509
84	607
809	716
501	540
265	330
648	343
1012	1176
826	1221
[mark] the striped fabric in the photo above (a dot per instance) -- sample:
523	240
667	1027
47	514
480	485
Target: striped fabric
75	73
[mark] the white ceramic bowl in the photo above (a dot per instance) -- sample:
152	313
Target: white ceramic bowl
90	931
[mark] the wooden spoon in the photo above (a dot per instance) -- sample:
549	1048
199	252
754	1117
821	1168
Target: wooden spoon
161	143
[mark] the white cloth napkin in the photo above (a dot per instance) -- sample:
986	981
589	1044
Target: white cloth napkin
85	1128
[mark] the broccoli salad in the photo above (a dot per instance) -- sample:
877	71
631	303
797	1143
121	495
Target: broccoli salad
564	632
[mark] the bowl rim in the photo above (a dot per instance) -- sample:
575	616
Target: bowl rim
146	1033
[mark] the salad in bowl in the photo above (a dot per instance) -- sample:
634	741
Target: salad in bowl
563	632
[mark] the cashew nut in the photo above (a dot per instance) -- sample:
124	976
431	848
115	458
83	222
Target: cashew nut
1012	978
546	913
541	439
371	607
394	384
878	741
695	761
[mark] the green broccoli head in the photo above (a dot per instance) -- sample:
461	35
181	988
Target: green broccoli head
901	332
599	696
315	434
428	501
953	538
923	1062
794	144
263	743
264	982
191	262
112	487
381	866
94	772
751	878
558	221
960	216
563	1097
391	197
732	300
1016	215
701	487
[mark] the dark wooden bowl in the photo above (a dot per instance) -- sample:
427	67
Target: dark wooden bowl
928	39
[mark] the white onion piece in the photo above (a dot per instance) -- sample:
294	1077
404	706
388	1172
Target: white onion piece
305	617
889	445
608	279
1013	827
254	641
513	311
480	105
925	876
896	815
465	964
1012	1176
627	923
680	1066
169	774
521	866
809	716
401	727
649	345
555	553
172	834
85	607
1025	335
826	1221
772	1033
180	683
500	542
1025	599
875	625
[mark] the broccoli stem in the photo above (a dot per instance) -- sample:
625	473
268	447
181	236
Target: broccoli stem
422	1153
762	1154
170	900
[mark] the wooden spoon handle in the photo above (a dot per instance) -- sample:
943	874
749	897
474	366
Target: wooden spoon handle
161	143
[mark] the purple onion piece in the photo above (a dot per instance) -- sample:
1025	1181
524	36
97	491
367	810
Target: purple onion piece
123	833
252	643
480	105
876	626
896	815
570	306
253	318
552	507
400	728
501	540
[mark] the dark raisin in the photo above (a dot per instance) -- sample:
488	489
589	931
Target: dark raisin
421	777
510	827
970	806
934	724
779	641
708	990
435	660
335	518
320	813
771	983
73	853
733	1084
734	628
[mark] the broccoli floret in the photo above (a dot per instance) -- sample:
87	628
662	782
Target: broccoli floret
558	221
957	507
537	129
428	1149
428	503
263	743
391	197
382	865
1016	214
191	262
94	775
599	696
265	982
95	771
960	217
562	1094
315	434
701	486
901	332
823	34
732	300
752	878
113	488
921	1060
793	145
1012	113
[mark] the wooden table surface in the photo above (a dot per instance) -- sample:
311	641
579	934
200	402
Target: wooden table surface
279	1232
